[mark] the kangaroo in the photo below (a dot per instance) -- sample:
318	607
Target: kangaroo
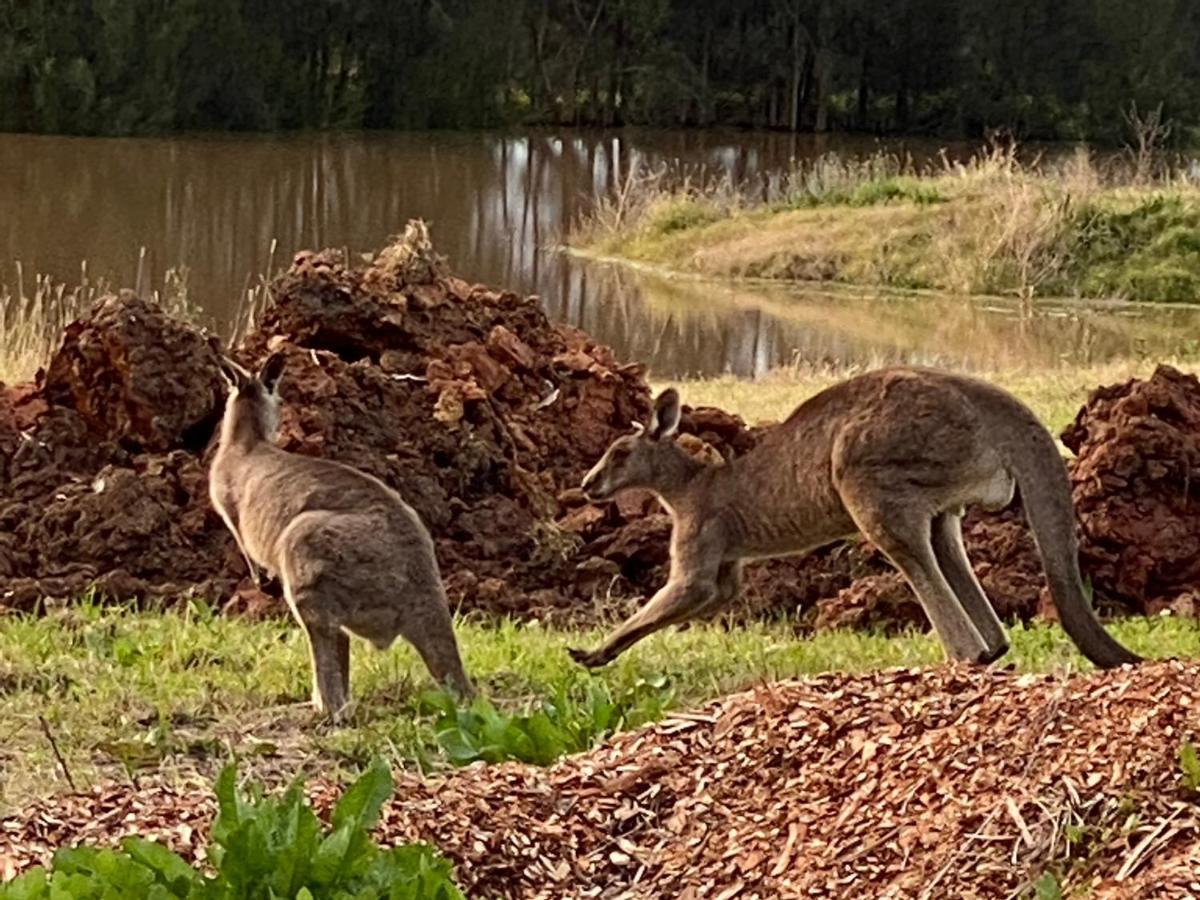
895	454
352	556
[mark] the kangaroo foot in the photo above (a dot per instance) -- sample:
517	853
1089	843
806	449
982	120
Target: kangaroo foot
592	659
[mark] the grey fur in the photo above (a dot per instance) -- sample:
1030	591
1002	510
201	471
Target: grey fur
895	454
352	556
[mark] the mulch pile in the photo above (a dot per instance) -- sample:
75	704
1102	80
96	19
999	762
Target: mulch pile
485	416
948	782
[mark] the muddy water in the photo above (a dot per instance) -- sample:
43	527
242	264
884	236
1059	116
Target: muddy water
499	206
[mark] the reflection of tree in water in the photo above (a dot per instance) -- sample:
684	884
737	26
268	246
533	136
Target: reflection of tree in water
686	326
214	204
498	207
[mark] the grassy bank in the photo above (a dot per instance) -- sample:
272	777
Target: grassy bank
125	694
989	226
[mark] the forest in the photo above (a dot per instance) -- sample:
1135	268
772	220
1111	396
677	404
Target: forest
1038	69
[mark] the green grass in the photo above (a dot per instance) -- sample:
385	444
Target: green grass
991	226
125	693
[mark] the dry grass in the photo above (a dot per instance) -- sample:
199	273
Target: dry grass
32	317
991	225
34	310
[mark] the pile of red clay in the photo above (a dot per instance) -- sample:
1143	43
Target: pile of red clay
950	782
485	416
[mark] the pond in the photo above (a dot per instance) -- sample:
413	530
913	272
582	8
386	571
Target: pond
499	206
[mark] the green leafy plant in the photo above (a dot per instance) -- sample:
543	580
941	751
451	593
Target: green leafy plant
571	721
1047	887
1189	766
261	847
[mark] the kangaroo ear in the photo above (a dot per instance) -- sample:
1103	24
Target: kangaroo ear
271	371
665	421
234	375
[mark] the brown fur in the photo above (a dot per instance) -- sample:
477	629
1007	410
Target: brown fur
352	556
895	454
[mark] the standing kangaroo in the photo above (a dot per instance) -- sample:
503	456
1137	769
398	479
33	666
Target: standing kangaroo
895	454
351	555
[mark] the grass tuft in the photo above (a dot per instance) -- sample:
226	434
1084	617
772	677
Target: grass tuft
32	317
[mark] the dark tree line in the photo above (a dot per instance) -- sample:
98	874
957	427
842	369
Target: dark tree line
1039	68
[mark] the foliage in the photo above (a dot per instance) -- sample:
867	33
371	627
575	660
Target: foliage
261	847
1148	249
1047	887
1066	69
561	725
1189	766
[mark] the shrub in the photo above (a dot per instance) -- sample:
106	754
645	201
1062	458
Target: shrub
681	212
562	725
887	190
261	847
1147	252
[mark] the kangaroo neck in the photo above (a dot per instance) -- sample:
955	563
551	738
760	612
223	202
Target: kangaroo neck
682	480
242	433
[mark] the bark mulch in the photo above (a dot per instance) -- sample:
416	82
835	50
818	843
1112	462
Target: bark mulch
947	782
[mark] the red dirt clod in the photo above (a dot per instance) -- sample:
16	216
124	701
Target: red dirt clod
1138	448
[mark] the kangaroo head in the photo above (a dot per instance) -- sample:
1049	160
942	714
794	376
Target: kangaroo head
649	458
252	407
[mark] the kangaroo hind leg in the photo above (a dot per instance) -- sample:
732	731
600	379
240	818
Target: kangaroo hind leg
956	567
902	529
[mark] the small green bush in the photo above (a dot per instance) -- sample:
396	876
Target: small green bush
261	847
564	724
1148	252
679	213
901	190
875	192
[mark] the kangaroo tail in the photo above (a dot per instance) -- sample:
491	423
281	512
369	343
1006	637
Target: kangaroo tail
1034	461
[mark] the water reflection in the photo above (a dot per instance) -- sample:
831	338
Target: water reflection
692	326
498	206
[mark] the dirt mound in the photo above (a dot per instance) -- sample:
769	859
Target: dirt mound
951	782
1138	449
485	416
469	401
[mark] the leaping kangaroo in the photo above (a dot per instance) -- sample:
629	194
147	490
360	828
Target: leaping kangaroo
895	454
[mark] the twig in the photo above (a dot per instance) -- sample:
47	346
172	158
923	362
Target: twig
1135	856
62	763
